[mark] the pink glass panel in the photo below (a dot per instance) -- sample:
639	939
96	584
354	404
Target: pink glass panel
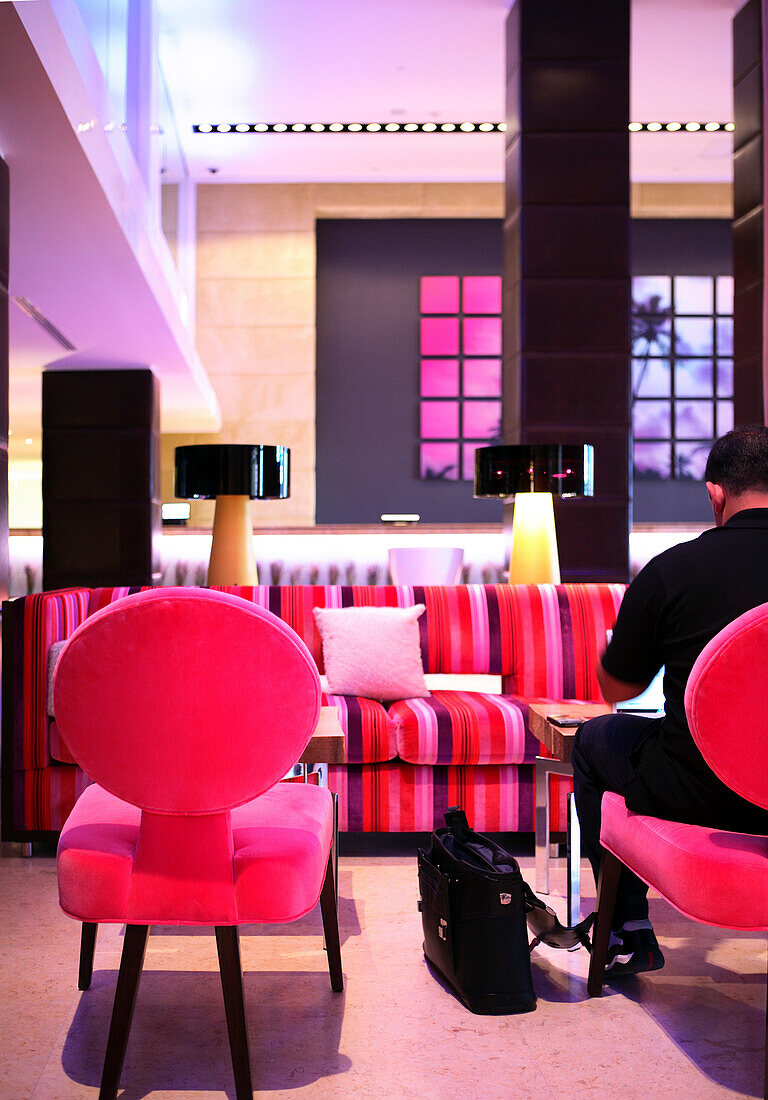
439	419
468	460
481	294
440	460
482	377
440	294
482	335
482	419
439	378
439	336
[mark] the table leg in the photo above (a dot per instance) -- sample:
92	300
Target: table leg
573	848
541	821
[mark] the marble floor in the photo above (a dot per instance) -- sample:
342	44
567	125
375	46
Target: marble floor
692	1030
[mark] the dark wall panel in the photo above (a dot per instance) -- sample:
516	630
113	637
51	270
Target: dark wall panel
748	203
101	478
368	364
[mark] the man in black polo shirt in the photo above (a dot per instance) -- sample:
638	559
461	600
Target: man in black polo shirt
680	600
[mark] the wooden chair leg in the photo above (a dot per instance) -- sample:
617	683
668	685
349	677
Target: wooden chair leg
230	967
87	948
765	1071
608	884
131	963
331	927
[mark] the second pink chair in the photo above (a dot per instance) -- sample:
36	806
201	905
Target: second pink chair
711	875
187	707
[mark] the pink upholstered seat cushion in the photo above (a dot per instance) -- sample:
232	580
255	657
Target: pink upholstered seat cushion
280	849
463	727
715	877
369	732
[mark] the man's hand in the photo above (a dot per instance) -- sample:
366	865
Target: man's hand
615	691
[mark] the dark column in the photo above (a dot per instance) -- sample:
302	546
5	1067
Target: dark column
566	262
748	385
101	478
4	276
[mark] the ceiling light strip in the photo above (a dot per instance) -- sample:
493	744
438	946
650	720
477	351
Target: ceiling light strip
679	127
347	127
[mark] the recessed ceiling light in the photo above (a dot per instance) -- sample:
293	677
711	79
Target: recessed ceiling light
411	126
392	126
485	126
205	128
336	126
635	126
318	127
260	127
447	126
730	126
242	127
373	126
429	126
467	126
223	128
653	126
711	125
298	126
355	126
671	126
693	125
279	127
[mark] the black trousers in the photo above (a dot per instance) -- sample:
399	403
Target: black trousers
600	761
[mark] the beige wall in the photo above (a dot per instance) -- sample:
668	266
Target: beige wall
256	311
256	303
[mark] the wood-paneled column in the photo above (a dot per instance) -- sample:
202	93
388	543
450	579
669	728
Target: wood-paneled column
748	221
4	279
567	260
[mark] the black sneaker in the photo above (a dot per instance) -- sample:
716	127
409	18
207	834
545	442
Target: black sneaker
633	952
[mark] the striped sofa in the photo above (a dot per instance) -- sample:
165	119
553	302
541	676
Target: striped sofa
407	761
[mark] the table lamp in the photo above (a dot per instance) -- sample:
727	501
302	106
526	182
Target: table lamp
533	474
234	474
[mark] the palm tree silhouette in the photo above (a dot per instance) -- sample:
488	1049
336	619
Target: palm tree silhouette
648	336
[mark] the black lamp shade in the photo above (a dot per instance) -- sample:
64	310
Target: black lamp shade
261	471
565	470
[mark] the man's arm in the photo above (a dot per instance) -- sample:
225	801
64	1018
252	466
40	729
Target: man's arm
615	691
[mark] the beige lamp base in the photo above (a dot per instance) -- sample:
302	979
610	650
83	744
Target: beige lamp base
534	557
232	558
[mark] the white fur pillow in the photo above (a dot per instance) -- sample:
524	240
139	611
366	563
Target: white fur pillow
53	657
372	651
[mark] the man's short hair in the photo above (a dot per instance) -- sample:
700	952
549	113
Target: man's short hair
739	460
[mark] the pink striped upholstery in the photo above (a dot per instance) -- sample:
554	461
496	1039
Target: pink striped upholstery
369	731
463	727
559	633
543	640
395	797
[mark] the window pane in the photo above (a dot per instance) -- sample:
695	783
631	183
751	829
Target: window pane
440	461
690	460
439	378
693	335
724	417
652	460
481	294
725	378
652	419
693	420
468	460
482	335
651	334
724	332
651	293
724	294
650	378
694	378
439	419
440	294
694	294
482	377
482	420
439	336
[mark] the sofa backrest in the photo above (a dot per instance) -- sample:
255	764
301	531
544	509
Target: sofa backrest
545	640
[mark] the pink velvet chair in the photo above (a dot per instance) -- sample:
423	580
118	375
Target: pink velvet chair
186	707
712	876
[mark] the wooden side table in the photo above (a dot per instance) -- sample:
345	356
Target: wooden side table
559	741
326	746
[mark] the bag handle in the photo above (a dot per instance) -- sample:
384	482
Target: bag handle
456	820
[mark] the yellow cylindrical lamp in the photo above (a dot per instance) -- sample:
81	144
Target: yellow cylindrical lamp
534	558
531	475
234	474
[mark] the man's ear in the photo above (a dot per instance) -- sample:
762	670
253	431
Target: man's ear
717	500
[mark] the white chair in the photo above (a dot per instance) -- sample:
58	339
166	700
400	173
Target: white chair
426	564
